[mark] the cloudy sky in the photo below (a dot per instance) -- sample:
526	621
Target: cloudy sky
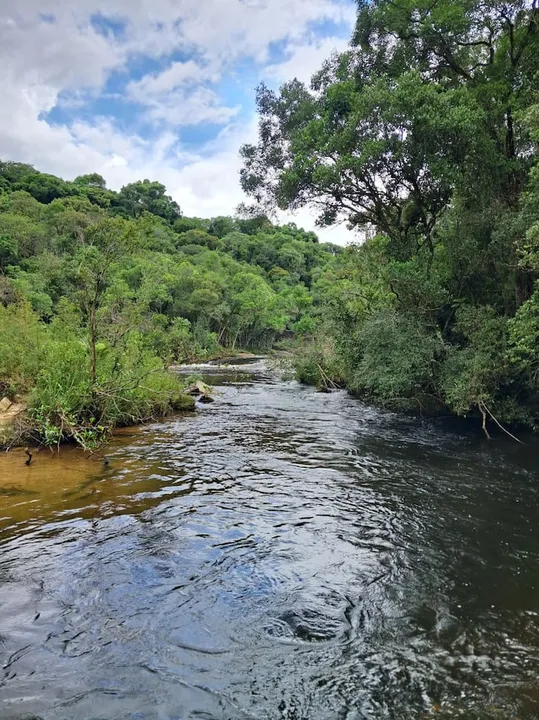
158	89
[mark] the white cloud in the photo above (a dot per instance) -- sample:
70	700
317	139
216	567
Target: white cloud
180	108
58	56
215	28
178	96
73	57
303	60
178	74
232	28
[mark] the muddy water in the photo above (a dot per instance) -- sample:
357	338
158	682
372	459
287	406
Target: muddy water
281	554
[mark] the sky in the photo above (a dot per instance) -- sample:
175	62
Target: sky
157	89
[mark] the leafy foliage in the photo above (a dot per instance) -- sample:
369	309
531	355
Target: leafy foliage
102	291
423	136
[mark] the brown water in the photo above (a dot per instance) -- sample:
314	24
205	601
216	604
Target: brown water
282	554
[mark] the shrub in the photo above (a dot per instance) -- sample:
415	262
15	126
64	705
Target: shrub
475	370
316	363
397	359
51	364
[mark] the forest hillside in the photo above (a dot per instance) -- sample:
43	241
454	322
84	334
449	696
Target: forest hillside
100	291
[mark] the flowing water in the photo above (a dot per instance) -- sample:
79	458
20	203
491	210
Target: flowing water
280	554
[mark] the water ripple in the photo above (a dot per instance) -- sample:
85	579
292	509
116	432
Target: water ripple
284	554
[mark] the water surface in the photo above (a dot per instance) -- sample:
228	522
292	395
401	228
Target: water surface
282	554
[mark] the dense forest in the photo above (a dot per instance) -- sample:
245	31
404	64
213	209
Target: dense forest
424	137
101	291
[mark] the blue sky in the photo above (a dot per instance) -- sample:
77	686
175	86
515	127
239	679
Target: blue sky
162	89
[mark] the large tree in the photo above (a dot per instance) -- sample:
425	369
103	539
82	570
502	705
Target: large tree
425	132
146	196
426	101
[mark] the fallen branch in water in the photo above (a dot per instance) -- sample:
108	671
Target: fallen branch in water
481	407
502	427
484	410
328	382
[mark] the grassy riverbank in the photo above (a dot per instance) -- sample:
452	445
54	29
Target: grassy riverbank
48	371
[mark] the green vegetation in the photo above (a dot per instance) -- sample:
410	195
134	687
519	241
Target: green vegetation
101	291
423	136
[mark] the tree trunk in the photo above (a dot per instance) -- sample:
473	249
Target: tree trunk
524	284
221	334
510	150
93	341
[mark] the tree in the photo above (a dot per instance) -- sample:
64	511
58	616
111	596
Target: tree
381	153
94	187
31	237
22	203
141	196
91	180
197	237
183	224
45	188
104	243
379	144
424	136
9	251
12	173
221	226
255	307
102	290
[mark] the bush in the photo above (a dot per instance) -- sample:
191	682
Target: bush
51	365
397	359
22	343
316	363
475	370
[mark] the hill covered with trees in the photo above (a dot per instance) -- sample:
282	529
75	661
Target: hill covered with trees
100	291
424	135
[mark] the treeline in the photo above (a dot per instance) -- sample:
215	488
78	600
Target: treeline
100	291
424	136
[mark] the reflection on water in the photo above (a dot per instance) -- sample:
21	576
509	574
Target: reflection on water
282	555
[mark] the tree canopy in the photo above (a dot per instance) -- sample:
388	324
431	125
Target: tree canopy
100	291
423	137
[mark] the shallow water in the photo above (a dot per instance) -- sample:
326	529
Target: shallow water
282	554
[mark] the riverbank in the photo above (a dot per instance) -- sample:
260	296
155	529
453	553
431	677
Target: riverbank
23	423
92	417
321	364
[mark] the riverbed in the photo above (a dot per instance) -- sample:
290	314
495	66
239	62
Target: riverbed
280	554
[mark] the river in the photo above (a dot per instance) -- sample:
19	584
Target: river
279	555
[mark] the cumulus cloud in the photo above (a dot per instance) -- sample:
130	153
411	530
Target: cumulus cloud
57	54
304	59
178	95
37	53
184	108
178	74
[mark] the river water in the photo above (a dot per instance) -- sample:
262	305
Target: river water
279	555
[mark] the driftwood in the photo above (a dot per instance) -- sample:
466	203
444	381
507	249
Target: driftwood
329	384
483	409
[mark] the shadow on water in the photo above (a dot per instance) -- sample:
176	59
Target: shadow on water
283	554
